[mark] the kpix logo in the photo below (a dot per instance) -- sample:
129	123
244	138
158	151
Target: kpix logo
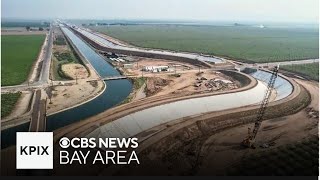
34	150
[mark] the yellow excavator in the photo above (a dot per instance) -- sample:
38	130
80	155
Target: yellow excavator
250	139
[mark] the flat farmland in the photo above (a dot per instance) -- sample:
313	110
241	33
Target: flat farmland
8	102
249	44
18	54
311	70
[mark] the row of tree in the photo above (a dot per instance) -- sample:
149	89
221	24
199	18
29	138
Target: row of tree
29	28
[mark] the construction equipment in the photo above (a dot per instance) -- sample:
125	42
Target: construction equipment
250	139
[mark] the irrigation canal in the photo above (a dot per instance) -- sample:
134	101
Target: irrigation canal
115	93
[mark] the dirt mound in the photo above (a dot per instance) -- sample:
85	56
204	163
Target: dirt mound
74	70
155	84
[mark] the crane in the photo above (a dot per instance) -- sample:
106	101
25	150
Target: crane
250	139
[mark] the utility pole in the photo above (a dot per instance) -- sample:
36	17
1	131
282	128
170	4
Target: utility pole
50	93
45	115
50	102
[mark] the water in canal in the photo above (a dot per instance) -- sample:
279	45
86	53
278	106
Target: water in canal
116	92
283	87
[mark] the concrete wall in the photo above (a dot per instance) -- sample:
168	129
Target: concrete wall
243	79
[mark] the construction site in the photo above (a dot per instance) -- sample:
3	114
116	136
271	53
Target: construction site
193	114
170	77
200	119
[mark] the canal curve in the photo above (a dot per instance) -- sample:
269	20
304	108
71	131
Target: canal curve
140	121
115	93
282	86
137	122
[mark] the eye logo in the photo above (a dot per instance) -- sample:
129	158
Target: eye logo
64	142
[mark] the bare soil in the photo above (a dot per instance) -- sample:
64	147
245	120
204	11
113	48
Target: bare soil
140	62
182	77
140	93
213	154
21	106
71	70
71	94
75	71
192	82
60	48
154	85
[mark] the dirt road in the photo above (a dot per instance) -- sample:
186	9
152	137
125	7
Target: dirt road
213	154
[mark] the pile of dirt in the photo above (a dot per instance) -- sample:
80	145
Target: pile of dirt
312	113
74	71
155	84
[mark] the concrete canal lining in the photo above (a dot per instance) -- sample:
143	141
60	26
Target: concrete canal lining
137	122
102	44
143	120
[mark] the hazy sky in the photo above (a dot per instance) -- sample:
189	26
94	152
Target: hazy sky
208	10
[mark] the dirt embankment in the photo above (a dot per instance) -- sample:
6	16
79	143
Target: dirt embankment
66	63
142	54
138	63
21	107
74	71
191	82
206	146
115	41
154	85
178	78
71	94
84	127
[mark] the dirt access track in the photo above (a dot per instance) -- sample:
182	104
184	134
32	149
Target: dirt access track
84	127
84	87
182	146
157	139
209	144
141	54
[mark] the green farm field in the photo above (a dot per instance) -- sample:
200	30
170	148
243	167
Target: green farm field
310	70
249	44
8	102
18	54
